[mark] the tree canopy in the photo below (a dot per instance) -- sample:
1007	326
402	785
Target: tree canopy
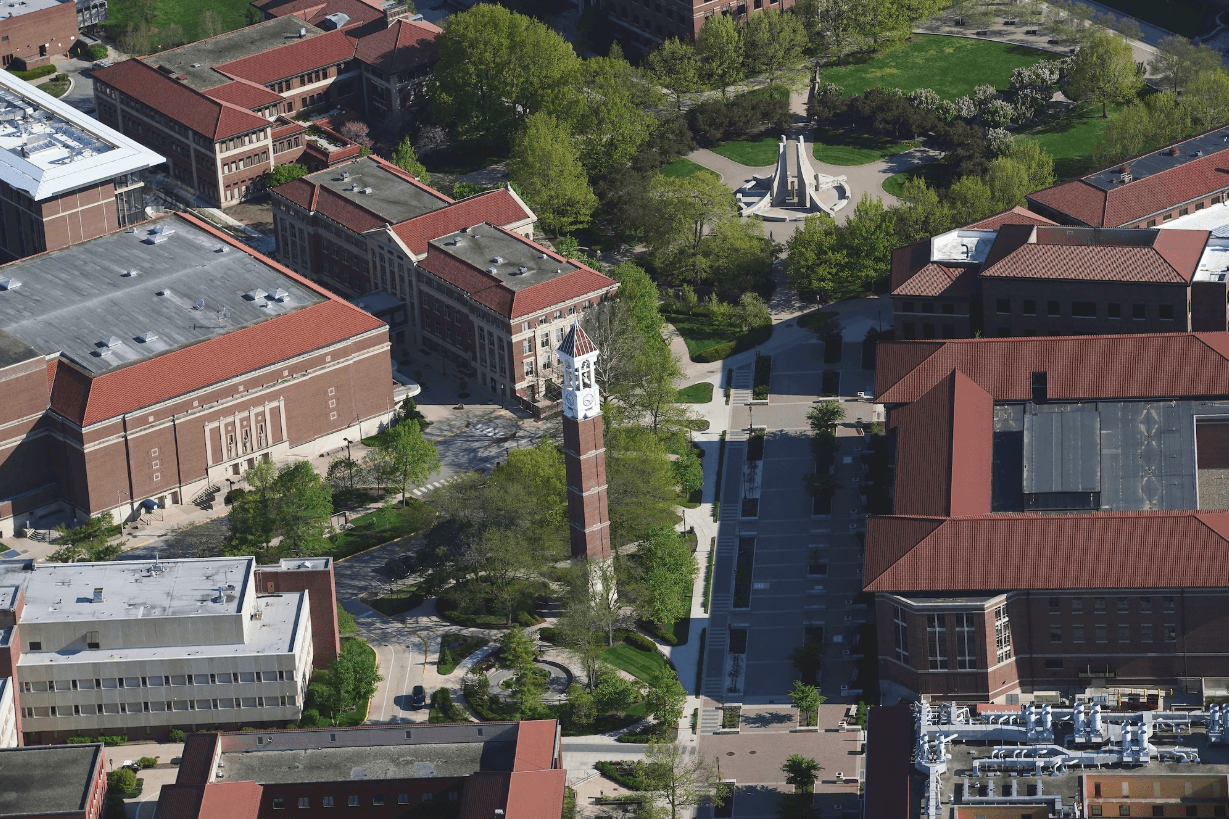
546	168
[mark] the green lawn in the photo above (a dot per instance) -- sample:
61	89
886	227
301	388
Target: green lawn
644	665
700	393
934	173
683	167
701	336
952	66
838	148
466	645
381	526
1071	138
1181	16
184	13
399	601
752	153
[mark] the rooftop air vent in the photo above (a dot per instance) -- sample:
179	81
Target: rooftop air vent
353	186
9	284
253	295
522	270
302	33
130	274
158	234
110	341
146	337
498	260
1124	168
279	295
196	65
492	270
221	248
1199	152
542	255
367	191
164	292
457	241
1173	151
98	598
345	174
200	304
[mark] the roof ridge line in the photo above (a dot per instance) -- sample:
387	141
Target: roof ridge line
942	521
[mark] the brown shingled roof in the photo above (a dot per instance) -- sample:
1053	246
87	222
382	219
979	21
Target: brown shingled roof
292	59
499	207
1083	254
404	45
1015	216
244	94
939	281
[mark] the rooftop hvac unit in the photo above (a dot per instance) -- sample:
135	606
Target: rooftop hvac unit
498	260
280	295
345	174
522	270
196	65
110	341
253	295
302	33
146	337
9	284
131	274
492	270
367	191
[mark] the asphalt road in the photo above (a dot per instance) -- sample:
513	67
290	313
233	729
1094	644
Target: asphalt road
401	656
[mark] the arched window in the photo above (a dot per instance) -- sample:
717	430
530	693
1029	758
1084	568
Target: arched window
586	374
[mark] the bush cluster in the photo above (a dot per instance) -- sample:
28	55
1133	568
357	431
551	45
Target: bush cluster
717	120
33	73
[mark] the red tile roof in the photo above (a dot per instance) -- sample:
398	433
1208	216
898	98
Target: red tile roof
213	118
404	45
536	794
944	448
194	367
889	763
1170	257
484	793
535	745
499	207
938	281
1015	216
244	94
490	291
1078	367
231	800
196	762
292	59
1104	550
179	801
576	343
314	11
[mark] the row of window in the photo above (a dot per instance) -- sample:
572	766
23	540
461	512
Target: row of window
245	162
159	706
966	643
927	307
354	801
1122	605
106	683
909	330
1158	810
286	144
1181	212
1101	633
1083	309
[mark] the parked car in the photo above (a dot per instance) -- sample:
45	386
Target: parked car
102	64
418	697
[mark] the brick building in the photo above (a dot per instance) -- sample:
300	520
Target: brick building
477	290
1058	514
223	108
156	364
68	781
469	771
64	177
34	31
1015	275
643	25
1146	191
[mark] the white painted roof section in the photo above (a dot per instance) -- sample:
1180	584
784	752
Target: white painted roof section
1214	218
16	8
962	245
64	149
1214	263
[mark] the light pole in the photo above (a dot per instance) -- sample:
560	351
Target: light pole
350	461
119	500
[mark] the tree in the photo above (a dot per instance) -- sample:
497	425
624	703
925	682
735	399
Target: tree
808	658
676	218
137	39
91	541
613	692
752	312
406	159
639	294
281	174
304	508
357	132
815	260
669	571
210	25
341	475
253	512
122	781
800	771
664	699
495	69
652	396
1177	61
825	415
773	41
1156	120
806	699
719	45
679	777
689	471
611	118
923	214
676	66
1104	71
353	676
735	253
546	168
869	237
641	488
581	632
410	457
581	707
1207	99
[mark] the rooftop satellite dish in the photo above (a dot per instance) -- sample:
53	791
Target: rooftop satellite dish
200	304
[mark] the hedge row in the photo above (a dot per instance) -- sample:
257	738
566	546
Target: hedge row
33	73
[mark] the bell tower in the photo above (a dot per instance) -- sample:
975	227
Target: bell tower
583	448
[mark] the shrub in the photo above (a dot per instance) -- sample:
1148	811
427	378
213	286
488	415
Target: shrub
98	51
78	740
117	739
122	781
445	656
549	635
443	709
526	619
115	807
147	762
33	73
637	640
760	393
177	735
715	353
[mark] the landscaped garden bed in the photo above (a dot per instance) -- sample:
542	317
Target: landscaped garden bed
763	377
701	393
455	647
742	573
832	348
708	341
399	601
830	383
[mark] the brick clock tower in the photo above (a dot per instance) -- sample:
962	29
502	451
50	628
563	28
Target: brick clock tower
583	448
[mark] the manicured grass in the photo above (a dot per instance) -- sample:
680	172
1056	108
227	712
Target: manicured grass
701	335
56	87
1179	16
754	153
701	393
838	148
644	665
467	644
935	173
952	66
1071	138
399	601
381	526
683	167
184	13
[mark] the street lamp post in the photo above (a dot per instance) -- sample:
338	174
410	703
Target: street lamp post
349	462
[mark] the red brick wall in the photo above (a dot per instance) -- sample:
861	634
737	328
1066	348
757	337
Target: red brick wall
585	462
322	598
54	27
365	790
1042	291
80	215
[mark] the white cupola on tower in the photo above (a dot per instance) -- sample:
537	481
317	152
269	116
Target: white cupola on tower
579	357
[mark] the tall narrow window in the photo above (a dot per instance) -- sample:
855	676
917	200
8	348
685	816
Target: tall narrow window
1002	634
966	645
901	631
936	641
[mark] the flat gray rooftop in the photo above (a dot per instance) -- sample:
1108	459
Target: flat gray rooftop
16	8
58	592
392	198
1104	455
196	60
518	264
379	762
42	780
14	351
78	300
1160	160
